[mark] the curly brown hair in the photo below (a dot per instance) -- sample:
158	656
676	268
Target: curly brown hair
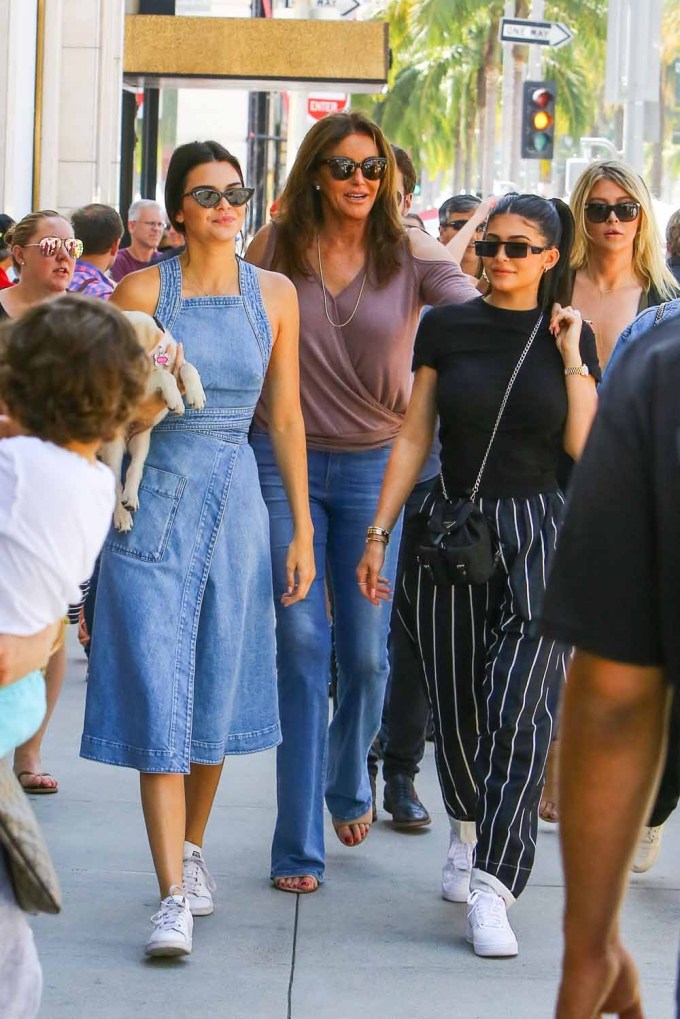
71	370
300	212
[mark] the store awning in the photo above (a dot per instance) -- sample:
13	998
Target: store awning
262	54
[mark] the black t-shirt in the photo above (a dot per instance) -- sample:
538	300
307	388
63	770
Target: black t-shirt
614	586
474	348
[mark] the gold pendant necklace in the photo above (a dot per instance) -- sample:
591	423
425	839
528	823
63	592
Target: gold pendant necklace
337	325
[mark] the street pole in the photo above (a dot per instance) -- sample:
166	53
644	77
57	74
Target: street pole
507	123
535	74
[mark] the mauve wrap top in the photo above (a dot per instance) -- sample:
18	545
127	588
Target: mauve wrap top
355	382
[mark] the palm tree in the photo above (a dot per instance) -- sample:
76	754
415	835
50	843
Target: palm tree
442	102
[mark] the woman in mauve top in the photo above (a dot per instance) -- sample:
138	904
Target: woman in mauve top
361	281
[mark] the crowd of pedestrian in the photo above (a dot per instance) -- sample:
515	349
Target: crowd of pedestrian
389	419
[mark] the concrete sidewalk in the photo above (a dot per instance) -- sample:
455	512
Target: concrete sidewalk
376	941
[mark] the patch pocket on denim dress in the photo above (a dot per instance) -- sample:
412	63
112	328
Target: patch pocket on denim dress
159	496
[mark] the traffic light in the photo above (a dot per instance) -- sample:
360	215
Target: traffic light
538	119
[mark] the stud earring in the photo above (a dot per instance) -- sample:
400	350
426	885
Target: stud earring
317	187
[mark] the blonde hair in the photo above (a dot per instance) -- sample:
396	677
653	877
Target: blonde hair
648	261
22	232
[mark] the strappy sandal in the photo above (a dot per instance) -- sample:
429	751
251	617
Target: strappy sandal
280	887
365	819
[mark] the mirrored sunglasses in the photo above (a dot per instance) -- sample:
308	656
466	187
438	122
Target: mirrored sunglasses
210	198
513	249
625	212
49	246
342	168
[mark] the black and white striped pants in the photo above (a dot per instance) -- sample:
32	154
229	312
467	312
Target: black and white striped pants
493	683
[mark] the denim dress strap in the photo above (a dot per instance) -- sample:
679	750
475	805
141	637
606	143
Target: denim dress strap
170	296
254	306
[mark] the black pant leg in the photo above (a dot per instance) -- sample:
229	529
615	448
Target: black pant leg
408	707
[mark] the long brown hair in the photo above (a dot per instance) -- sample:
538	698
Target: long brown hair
301	213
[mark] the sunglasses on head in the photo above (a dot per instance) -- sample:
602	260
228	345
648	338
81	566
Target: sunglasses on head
513	249
342	167
210	198
49	246
458	224
625	212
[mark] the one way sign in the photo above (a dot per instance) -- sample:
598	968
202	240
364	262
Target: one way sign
539	33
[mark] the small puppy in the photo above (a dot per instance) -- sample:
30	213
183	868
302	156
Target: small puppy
163	349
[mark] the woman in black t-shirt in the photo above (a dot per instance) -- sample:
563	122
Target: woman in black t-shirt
493	681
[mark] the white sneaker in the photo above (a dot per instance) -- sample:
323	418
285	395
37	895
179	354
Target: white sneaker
489	930
173	928
647	850
457	869
197	881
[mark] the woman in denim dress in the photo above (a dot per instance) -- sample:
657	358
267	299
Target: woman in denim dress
183	662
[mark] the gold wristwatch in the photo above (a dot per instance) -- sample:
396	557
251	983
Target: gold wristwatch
581	370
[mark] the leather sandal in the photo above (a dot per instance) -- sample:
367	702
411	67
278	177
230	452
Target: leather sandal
37	788
278	883
365	819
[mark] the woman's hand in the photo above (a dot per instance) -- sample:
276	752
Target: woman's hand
21	655
300	569
565	325
8	428
606	984
373	587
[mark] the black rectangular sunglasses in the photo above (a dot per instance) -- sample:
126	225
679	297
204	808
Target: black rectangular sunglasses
599	212
210	198
513	249
342	167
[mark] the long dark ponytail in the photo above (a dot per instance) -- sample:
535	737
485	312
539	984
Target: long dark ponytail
554	220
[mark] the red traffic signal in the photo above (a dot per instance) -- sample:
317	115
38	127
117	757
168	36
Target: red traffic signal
538	119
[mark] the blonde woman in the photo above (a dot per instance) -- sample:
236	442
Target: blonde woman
618	271
617	258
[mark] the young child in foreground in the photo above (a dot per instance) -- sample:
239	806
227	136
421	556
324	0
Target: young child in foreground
72	373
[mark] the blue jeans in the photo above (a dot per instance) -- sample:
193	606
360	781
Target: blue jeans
314	758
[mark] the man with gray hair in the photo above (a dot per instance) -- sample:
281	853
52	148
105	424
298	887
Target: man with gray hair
146	222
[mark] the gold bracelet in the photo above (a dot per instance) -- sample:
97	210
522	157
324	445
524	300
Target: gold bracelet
378	532
375	537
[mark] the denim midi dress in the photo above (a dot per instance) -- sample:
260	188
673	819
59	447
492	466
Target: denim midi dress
183	660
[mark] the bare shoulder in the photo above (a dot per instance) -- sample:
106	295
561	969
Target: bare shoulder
258	245
138	291
426	247
275	285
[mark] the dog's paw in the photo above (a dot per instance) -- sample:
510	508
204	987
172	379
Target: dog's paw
130	499
175	403
122	519
195	395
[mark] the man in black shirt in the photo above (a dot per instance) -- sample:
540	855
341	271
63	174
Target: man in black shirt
613	593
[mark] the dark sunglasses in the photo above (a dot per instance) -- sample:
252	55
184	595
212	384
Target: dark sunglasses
342	168
625	212
513	249
49	246
458	224
210	198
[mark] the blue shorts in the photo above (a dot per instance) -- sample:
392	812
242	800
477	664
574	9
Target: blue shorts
22	708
